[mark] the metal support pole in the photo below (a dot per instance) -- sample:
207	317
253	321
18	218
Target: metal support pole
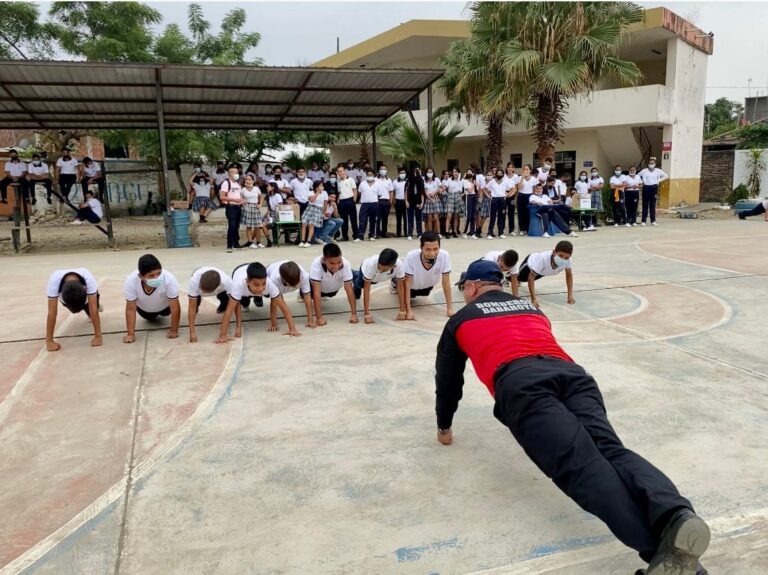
373	150
418	130
430	142
163	151
107	206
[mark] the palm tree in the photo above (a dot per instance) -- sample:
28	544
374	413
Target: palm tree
363	140
554	51
407	143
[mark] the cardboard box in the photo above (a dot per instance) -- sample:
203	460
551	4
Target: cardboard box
179	205
585	202
288	213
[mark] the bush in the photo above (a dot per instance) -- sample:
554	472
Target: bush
740	192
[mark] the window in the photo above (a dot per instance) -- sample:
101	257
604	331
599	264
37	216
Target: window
565	165
517	160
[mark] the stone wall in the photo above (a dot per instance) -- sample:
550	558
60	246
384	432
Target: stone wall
716	175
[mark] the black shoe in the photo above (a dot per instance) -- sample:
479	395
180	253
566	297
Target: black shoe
3	201
742	216
269	243
684	539
203	220
221	309
259	301
49	200
247	245
245	306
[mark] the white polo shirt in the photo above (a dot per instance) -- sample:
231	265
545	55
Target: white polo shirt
454	186
541	263
498	188
330	282
617	180
301	189
69	168
384	186
92	170
541	175
321	198
480	180
41	170
528	185
422	277
512	180
494	255
273	273
15	169
282	183
219	177
431	187
369	192
370	270
399	186
633	182
275	200
346	187
133	291
193	288
95	206
239	286
316	175
596	183
541	200
581	187
56	281
652	177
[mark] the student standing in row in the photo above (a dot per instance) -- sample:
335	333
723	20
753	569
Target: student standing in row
200	192
206	281
66	172
414	202
618	183
470	198
301	187
328	274
347	203
511	179
549	263
251	217
596	184
385	267
431	202
151	292
231	197
39	173
484	204
524	191
454	202
77	291
315	174
498	191
424	269
386	191
651	177
401	225
313	215
632	195
369	207
582	189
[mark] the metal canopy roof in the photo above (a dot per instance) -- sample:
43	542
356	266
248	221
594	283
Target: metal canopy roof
58	95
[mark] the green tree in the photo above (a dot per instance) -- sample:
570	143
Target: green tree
405	143
753	136
363	140
756	167
22	35
555	51
228	47
106	31
721	116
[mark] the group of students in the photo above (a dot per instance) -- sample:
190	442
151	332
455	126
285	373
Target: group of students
152	292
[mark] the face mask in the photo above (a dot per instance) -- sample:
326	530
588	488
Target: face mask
37	162
430	261
154	282
651	166
269	171
617	172
198	170
67	158
401	176
278	176
382	173
332	180
350	166
370	178
430	174
499	176
594	174
583	178
14	158
469	174
301	178
547	166
285	168
559	262
632	173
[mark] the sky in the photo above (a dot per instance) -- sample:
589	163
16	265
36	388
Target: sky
740	53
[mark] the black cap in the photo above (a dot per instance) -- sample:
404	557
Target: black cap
482	271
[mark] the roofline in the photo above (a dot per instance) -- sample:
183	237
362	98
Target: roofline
654	18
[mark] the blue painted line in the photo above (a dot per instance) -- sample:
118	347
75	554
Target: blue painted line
415	553
566	545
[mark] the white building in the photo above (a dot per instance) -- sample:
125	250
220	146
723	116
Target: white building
662	117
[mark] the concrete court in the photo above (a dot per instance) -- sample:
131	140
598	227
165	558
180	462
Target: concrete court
317	454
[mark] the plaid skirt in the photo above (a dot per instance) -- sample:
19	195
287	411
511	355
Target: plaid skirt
454	204
252	216
597	200
431	207
484	211
313	216
200	203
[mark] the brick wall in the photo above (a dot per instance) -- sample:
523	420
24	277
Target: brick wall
716	175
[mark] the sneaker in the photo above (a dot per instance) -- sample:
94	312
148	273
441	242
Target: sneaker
260	245
654	224
356	241
229	250
392	288
75	223
473	237
740	214
410	238
573	235
546	235
464	236
634	225
591	229
615	225
371	239
628	225
684	539
502	237
254	246
642	224
101	308
259	301
440	236
512	233
490	237
523	233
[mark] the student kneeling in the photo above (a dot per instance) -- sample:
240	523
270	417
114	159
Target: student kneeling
327	275
77	291
151	292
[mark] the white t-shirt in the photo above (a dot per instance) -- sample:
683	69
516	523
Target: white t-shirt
202	189
329	282
55	281
430	187
133	291
541	175
384	187
581	187
595	184
301	189
69	168
96	207
92	170
282	184
41	170
193	288
371	272
569	202
275	200
652	177
15	169
454	186
470	187
219	177
316	175
541	200
346	187
399	186
252	196
498	188
617	180
633	182
528	185
560	187
480	181
424	278
369	192
541	263
512	180
239	286
320	199
493	256
273	273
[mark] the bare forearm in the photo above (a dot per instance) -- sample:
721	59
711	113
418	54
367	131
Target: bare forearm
175	315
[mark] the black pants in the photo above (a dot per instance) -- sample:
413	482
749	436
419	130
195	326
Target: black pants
223	301
368	215
550	214
101	186
470	223
510	202
418	292
414	213
498	206
756	211
619	210
631	199
233	213
5	182
385	206
87	215
348	213
523	216
47	184
66	181
556	413
153	315
525	271
649	202
400	224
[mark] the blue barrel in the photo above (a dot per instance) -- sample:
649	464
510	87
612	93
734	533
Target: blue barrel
180	220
